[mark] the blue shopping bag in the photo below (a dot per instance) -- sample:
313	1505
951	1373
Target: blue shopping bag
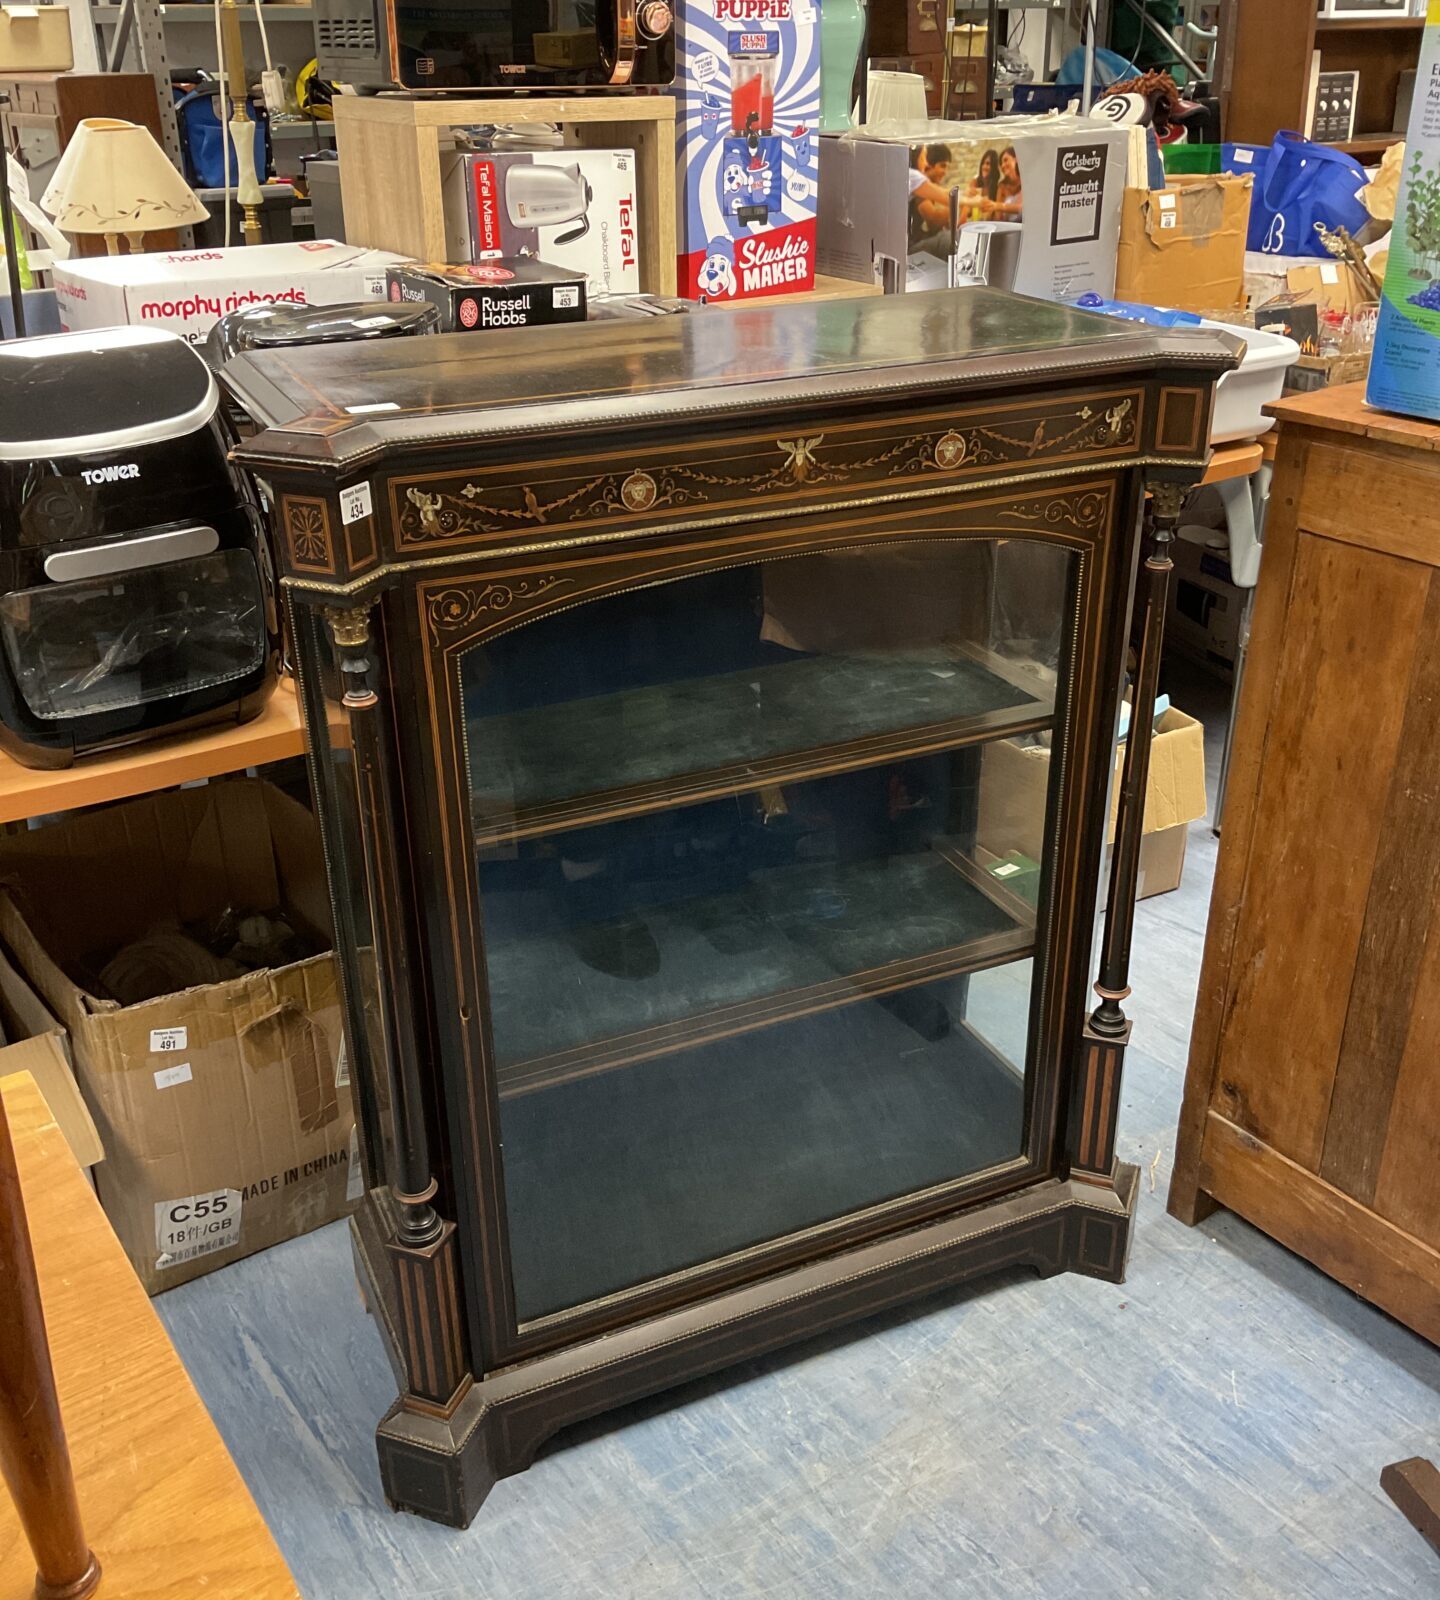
1302	184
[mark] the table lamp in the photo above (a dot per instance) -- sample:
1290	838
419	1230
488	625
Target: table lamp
114	178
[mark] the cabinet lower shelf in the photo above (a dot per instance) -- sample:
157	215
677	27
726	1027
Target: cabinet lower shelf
791	941
533	772
630	1177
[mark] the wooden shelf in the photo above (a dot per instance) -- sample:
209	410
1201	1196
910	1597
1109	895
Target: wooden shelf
390	146
275	11
631	1177
787	942
826	288
162	1502
273	736
1369	144
678	743
1368	24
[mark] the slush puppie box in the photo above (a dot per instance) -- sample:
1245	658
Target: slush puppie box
747	76
1405	366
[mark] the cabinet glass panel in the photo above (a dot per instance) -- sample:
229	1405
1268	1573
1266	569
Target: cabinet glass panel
760	855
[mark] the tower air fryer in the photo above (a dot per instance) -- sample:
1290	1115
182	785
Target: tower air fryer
135	597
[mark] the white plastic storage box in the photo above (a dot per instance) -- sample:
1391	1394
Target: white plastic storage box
1242	395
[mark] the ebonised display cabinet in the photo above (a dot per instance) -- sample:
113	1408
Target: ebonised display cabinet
711	722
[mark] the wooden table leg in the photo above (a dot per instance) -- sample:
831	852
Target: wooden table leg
34	1457
1414	1486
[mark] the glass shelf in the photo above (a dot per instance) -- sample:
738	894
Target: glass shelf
625	1177
533	772
792	940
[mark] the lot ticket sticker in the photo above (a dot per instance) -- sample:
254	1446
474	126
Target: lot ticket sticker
355	502
196	1225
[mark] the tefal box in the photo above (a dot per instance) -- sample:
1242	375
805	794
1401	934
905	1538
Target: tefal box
188	291
223	1100
512	292
1025	203
747	78
573	208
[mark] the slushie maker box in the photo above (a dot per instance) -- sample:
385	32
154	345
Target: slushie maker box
747	76
1405	365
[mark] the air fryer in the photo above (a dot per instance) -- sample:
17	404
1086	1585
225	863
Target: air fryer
135	591
547	197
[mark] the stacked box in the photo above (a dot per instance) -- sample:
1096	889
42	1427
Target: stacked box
573	208
747	76
510	292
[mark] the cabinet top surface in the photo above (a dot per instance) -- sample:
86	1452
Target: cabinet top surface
1343	409
336	405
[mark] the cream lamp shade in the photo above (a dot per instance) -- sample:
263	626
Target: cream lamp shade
114	178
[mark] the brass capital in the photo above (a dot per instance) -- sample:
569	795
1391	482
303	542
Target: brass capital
349	627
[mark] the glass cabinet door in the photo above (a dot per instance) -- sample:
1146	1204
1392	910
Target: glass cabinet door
761	858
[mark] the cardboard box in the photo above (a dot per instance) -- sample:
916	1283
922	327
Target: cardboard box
747	79
886	205
35	39
1405	364
1184	245
224	1110
1014	780
502	202
513	292
188	291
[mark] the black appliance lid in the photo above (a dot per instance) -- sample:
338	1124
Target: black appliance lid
73	394
270	327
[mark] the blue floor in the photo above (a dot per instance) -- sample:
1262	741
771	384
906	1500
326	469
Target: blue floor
1215	1427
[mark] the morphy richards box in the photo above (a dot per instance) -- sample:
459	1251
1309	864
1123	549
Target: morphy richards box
1027	203
512	292
224	1108
188	291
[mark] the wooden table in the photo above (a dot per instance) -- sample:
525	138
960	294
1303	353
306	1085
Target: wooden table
1312	1103
161	764
164	1508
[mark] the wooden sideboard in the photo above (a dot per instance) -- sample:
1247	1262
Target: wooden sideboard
1312	1102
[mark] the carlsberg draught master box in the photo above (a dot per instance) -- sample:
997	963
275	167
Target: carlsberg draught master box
747	77
1405	366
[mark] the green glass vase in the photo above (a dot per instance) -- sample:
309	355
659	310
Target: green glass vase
842	33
